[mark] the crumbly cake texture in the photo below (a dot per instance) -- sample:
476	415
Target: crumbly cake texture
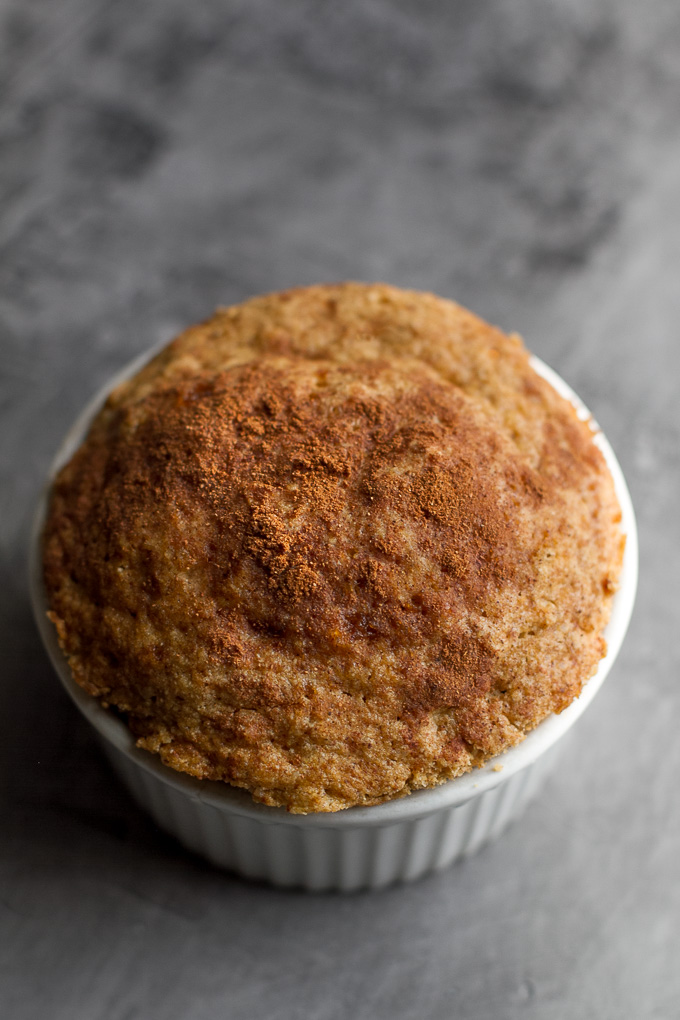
334	545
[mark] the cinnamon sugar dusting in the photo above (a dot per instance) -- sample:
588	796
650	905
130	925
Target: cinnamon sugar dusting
334	545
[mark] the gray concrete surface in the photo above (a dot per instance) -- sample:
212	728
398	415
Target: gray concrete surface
159	158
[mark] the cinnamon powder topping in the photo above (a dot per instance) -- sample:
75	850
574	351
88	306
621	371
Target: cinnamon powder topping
334	545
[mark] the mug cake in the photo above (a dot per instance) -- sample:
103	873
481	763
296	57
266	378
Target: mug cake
332	546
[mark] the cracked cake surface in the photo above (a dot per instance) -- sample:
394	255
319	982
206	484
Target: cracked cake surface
333	545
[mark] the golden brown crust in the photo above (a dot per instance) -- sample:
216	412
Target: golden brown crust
333	545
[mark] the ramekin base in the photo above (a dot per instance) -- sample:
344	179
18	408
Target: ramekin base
291	855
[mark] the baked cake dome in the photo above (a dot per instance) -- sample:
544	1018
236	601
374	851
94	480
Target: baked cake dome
334	545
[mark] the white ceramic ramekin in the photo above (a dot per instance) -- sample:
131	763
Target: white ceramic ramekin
363	847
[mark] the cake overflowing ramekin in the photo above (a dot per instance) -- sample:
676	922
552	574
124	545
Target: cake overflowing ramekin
362	847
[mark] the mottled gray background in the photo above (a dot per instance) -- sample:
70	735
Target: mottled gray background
523	156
